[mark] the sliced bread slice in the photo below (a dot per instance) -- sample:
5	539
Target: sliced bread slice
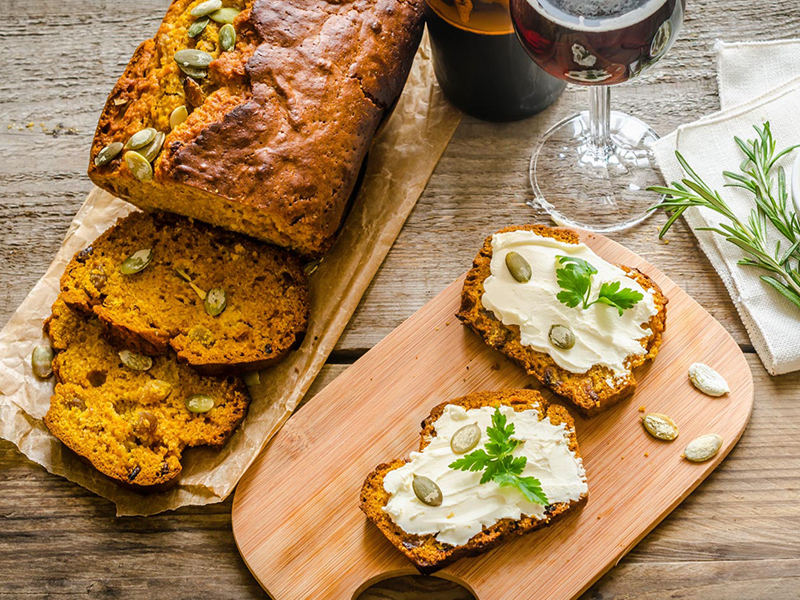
429	553
591	392
256	313
132	425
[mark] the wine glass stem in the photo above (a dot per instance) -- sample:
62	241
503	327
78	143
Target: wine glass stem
600	118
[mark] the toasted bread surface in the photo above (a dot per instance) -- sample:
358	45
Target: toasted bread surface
157	308
132	426
425	551
590	392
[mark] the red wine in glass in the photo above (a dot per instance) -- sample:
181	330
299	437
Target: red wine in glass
591	169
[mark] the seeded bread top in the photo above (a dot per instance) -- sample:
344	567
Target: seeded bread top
278	127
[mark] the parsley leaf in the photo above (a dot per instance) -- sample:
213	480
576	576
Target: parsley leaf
621	299
497	463
575	281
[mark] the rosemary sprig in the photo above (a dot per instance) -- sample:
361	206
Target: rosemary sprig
771	206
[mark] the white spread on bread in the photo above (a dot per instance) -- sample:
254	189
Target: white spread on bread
468	505
602	336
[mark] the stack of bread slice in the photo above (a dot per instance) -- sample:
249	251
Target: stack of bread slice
155	321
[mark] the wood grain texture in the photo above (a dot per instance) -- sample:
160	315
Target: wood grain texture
735	537
284	525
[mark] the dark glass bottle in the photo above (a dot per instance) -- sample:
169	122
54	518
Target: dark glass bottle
480	64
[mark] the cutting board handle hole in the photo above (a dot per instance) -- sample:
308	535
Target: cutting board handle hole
414	586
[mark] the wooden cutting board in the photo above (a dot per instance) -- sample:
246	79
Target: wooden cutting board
295	514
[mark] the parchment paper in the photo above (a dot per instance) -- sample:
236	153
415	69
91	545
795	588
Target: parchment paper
400	162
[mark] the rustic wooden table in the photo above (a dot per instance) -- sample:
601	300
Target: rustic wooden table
737	536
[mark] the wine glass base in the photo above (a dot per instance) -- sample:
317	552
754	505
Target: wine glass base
598	189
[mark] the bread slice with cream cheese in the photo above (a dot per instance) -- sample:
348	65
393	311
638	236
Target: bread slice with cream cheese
598	386
427	551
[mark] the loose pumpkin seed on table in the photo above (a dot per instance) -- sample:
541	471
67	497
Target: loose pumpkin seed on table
141	138
660	426
198	27
703	448
707	380
107	154
137	261
134	361
426	490
518	267
42	361
139	165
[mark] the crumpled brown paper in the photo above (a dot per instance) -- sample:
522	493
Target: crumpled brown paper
401	160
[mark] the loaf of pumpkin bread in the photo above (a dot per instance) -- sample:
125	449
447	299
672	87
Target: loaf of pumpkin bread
283	98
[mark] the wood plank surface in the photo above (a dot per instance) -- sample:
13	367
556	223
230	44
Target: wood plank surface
735	537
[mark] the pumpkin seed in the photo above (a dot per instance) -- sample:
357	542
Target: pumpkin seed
703	448
193	72
107	154
465	439
199	403
134	361
206	8
197	27
136	262
42	361
216	301
426	490
139	166
224	15
518	267
562	337
660	426
227	37
151	152
178	116
141	138
707	380
193	58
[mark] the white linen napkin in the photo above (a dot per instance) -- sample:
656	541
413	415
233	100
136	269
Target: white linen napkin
758	82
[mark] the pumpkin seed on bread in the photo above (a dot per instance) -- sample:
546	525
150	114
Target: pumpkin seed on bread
223	302
425	551
132	425
592	391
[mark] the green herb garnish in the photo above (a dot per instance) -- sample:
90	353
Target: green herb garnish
498	465
575	281
771	204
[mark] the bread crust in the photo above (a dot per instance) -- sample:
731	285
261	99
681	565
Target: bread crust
590	392
281	125
425	551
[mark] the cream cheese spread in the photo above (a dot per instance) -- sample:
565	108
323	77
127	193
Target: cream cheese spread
468	505
602	336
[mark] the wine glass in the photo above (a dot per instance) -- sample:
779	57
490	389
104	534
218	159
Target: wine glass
592	169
